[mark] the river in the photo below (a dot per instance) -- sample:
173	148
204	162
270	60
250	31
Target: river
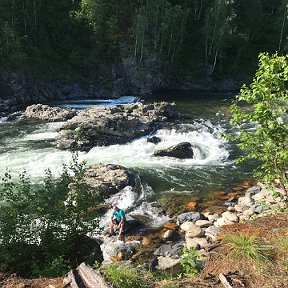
204	116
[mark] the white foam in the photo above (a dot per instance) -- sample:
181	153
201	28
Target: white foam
3	119
209	149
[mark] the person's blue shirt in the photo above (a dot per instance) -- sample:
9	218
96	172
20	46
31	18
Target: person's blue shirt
119	215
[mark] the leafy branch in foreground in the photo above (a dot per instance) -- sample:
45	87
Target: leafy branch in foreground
191	262
44	226
261	113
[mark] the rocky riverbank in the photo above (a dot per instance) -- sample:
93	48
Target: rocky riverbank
162	250
200	230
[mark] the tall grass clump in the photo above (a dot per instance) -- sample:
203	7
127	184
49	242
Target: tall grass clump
123	276
248	247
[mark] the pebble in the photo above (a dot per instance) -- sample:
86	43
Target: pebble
212	218
212	232
203	223
191	243
186	226
222	221
201	241
245	200
194	232
230	216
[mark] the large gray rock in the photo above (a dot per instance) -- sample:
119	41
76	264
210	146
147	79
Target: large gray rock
109	179
182	150
189	216
101	126
47	113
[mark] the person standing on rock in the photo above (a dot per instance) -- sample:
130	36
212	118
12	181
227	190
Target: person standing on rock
117	218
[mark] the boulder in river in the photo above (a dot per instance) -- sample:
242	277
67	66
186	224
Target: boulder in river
102	126
182	150
109	179
48	113
154	139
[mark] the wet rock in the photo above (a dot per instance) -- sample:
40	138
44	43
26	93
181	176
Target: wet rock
102	126
191	205
148	212
171	226
113	249
146	241
182	151
154	140
245	184
47	113
189	216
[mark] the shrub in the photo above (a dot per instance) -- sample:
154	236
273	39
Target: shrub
263	105
191	262
47	222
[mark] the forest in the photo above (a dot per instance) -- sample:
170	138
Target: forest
203	38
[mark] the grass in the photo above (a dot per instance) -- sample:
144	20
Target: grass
248	247
123	276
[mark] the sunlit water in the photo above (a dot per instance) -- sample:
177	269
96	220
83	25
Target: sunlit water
30	147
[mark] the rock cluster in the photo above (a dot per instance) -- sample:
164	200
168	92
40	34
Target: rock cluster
101	126
201	229
48	113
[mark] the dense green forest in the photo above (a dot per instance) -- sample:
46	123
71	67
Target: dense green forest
204	37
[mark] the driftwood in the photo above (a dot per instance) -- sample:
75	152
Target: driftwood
224	281
84	277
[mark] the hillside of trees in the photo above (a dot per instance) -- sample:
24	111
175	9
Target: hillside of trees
214	38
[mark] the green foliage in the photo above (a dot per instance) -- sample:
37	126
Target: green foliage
123	276
191	262
207	38
260	112
248	247
48	222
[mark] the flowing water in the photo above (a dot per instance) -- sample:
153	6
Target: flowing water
28	146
